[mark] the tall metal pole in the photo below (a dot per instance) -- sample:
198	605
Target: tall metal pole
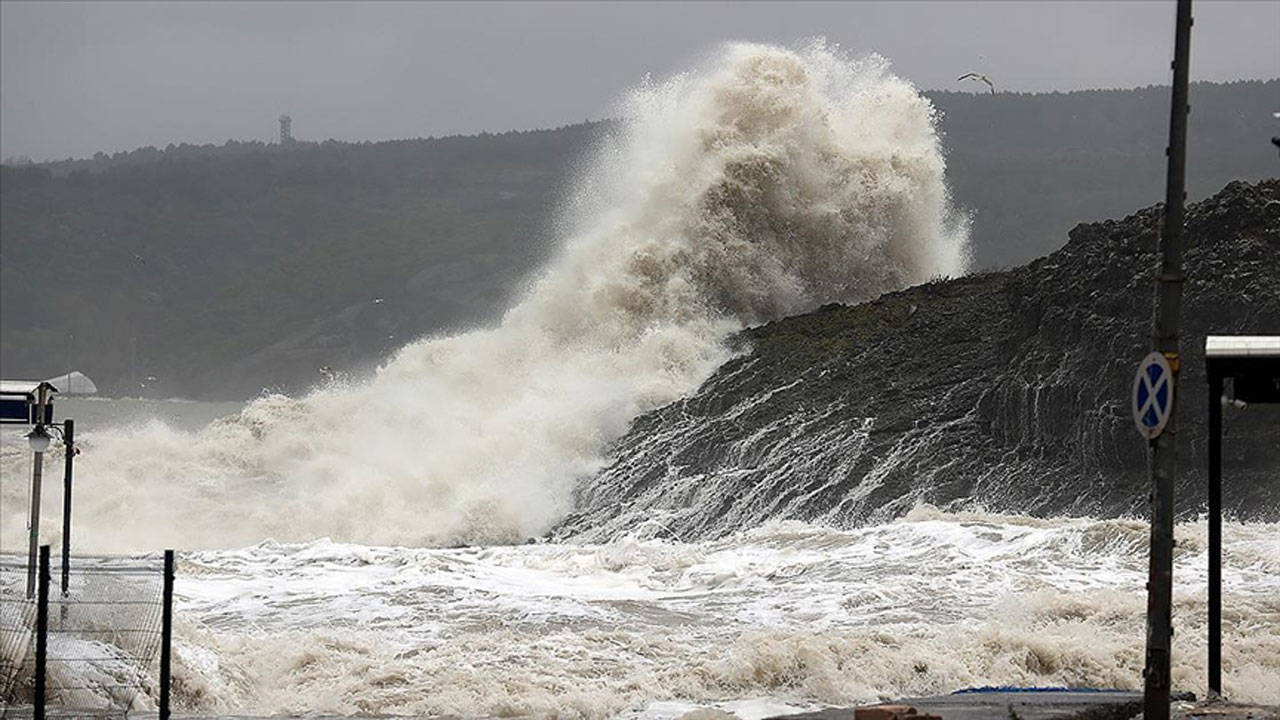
37	479
1164	465
69	446
166	634
1215	532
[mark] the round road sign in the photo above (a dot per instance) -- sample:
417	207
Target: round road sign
1152	395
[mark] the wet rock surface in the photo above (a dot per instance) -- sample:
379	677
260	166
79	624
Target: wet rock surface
1008	390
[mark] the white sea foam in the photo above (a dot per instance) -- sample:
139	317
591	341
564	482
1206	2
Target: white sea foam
787	614
765	183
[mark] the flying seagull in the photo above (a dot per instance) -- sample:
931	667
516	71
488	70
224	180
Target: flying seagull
981	77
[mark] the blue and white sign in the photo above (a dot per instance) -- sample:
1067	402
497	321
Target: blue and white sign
1152	395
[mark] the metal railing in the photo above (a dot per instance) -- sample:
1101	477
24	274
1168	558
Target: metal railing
93	648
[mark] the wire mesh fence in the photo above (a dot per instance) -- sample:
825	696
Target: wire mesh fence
102	641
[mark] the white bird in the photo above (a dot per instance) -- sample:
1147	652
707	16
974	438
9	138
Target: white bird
981	77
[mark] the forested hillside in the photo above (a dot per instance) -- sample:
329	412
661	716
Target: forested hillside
1032	166
217	271
220	271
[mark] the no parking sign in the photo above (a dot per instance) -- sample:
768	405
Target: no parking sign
1152	395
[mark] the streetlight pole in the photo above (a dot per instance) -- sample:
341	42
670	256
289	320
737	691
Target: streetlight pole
1164	466
37	472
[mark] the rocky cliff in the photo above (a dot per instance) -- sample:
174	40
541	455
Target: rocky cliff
1008	390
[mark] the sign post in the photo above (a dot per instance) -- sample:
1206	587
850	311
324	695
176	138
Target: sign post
1164	464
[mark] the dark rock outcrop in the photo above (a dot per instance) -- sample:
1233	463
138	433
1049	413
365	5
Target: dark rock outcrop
1008	390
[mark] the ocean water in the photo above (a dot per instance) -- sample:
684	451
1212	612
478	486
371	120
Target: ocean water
785	616
364	548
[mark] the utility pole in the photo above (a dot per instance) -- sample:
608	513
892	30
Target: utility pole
1164	463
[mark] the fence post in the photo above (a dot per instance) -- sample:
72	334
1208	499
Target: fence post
68	445
42	631
166	635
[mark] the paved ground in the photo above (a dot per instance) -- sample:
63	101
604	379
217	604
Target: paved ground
1022	705
1219	710
1055	705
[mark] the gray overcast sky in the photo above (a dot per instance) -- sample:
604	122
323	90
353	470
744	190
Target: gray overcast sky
77	78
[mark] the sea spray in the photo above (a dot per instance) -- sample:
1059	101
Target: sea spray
765	183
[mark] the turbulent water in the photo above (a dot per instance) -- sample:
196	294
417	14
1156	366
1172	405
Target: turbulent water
786	616
766	183
783	615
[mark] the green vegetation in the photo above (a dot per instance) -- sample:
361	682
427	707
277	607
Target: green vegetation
220	270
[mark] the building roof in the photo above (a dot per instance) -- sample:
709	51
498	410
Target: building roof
73	383
1242	346
25	387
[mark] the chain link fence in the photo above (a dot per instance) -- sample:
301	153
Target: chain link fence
103	636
